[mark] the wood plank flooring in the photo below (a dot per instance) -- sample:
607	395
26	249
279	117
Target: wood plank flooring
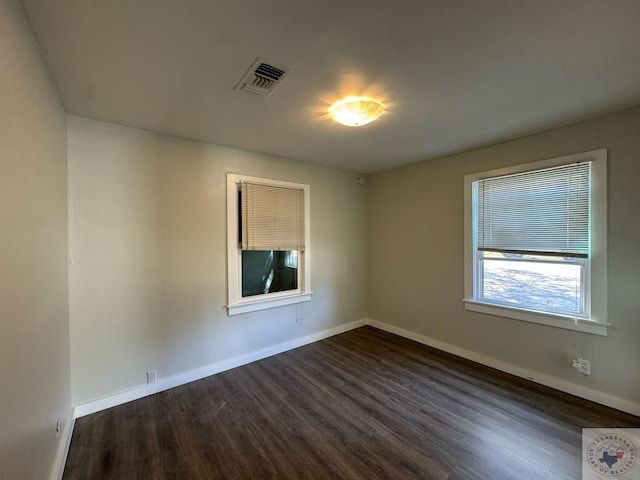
362	405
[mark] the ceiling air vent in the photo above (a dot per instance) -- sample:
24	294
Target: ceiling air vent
262	78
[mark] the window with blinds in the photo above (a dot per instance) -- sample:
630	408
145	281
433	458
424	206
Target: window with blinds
267	243
271	236
530	239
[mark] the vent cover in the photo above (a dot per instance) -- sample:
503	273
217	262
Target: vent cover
262	78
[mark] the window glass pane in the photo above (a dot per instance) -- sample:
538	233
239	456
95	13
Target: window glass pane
269	271
533	283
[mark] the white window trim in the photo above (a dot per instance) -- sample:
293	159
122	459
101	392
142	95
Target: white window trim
597	323
236	304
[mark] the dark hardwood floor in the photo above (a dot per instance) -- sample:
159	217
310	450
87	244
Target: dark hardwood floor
361	405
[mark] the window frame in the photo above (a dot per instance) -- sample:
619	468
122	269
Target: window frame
236	303
596	279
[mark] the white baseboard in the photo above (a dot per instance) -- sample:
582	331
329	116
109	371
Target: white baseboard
547	380
63	447
208	370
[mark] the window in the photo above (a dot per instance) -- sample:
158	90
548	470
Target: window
535	242
267	243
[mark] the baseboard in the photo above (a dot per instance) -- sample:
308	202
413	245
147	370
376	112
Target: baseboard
63	447
547	380
208	370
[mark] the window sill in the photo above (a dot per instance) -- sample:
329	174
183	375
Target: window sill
263	304
542	318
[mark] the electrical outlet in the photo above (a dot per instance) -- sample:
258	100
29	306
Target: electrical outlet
58	427
582	366
152	376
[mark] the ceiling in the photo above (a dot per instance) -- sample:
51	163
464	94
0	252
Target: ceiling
453	74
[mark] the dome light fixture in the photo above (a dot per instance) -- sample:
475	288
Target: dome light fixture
356	111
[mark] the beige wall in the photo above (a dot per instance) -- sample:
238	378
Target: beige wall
34	332
416	257
148	253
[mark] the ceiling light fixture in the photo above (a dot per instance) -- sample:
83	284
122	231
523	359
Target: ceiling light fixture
356	111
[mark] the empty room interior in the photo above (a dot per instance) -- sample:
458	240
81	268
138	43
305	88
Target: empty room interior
289	239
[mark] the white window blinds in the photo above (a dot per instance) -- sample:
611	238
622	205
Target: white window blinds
272	217
539	212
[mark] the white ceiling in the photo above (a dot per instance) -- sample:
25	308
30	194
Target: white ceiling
454	74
